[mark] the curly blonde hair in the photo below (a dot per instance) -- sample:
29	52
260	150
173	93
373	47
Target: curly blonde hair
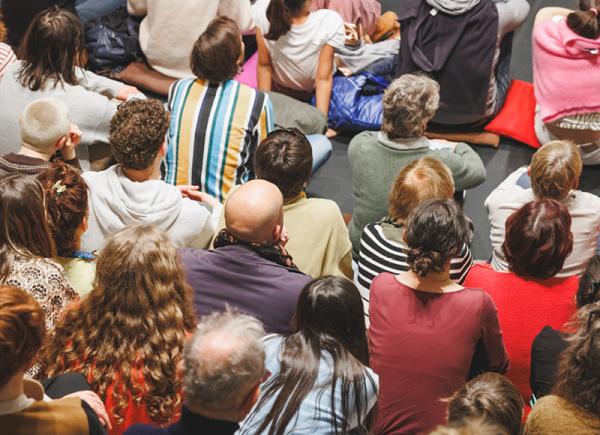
409	104
134	321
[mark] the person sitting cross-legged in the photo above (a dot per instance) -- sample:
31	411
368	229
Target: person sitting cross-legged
376	157
131	192
249	268
216	122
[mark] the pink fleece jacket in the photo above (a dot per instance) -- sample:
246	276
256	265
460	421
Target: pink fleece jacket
566	71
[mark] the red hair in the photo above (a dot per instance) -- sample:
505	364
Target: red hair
538	239
66	208
22	331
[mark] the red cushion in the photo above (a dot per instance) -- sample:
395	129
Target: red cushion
516	120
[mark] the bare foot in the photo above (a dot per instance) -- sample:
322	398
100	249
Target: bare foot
330	134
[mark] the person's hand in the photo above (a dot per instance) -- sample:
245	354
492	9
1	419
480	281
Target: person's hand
193	192
126	91
96	404
73	139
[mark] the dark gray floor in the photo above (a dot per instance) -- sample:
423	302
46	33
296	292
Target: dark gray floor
334	180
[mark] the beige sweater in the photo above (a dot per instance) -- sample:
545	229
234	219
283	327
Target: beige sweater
171	27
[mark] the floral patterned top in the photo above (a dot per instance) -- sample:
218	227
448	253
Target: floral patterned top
46	282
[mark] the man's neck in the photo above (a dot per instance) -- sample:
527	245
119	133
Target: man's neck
25	151
141	175
13	388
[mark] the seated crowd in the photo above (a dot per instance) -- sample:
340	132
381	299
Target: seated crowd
163	270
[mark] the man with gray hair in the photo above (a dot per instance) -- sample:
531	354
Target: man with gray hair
224	365
46	133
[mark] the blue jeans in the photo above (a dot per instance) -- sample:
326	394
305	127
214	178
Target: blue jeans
88	10
321	150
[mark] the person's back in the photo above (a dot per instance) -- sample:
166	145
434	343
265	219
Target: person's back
143	307
249	268
131	192
421	347
24	407
50	65
167	33
427	330
382	246
574	405
216	122
553	174
318	237
377	157
337	391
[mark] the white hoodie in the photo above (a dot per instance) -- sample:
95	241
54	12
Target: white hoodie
116	202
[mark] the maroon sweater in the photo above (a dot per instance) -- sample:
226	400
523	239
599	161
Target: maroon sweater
422	345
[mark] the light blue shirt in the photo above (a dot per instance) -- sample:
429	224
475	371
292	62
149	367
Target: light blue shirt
314	416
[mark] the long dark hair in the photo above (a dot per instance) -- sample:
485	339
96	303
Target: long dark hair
279	14
24	230
52	49
329	320
586	21
579	369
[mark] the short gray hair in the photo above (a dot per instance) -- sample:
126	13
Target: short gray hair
409	104
43	123
223	360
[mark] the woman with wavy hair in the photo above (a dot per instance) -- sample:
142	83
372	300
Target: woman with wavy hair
428	334
574	405
320	381
127	336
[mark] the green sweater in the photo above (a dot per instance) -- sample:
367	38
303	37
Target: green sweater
375	162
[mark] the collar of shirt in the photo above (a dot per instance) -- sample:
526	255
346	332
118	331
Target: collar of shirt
403	144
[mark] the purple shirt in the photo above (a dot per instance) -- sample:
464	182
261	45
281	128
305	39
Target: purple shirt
237	276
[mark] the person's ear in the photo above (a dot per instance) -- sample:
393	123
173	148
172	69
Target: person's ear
163	149
529	171
84	224
60	143
277	232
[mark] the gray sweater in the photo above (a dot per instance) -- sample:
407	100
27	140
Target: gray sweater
375	162
89	103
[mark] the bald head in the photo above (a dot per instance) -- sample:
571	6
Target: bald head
254	212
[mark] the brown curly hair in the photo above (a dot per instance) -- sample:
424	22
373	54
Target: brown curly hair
137	131
67	209
134	320
578	377
22	330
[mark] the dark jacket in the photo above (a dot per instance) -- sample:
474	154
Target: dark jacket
189	424
237	276
455	50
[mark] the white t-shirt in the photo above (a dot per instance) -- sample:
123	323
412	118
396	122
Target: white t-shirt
295	56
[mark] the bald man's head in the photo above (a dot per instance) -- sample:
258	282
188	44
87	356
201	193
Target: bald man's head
254	212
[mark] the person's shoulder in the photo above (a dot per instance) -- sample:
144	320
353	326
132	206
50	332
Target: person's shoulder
96	176
587	200
363	140
326	208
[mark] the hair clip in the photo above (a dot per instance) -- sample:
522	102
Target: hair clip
594	11
59	188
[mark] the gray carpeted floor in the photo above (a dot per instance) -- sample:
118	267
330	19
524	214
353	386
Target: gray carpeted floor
334	180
